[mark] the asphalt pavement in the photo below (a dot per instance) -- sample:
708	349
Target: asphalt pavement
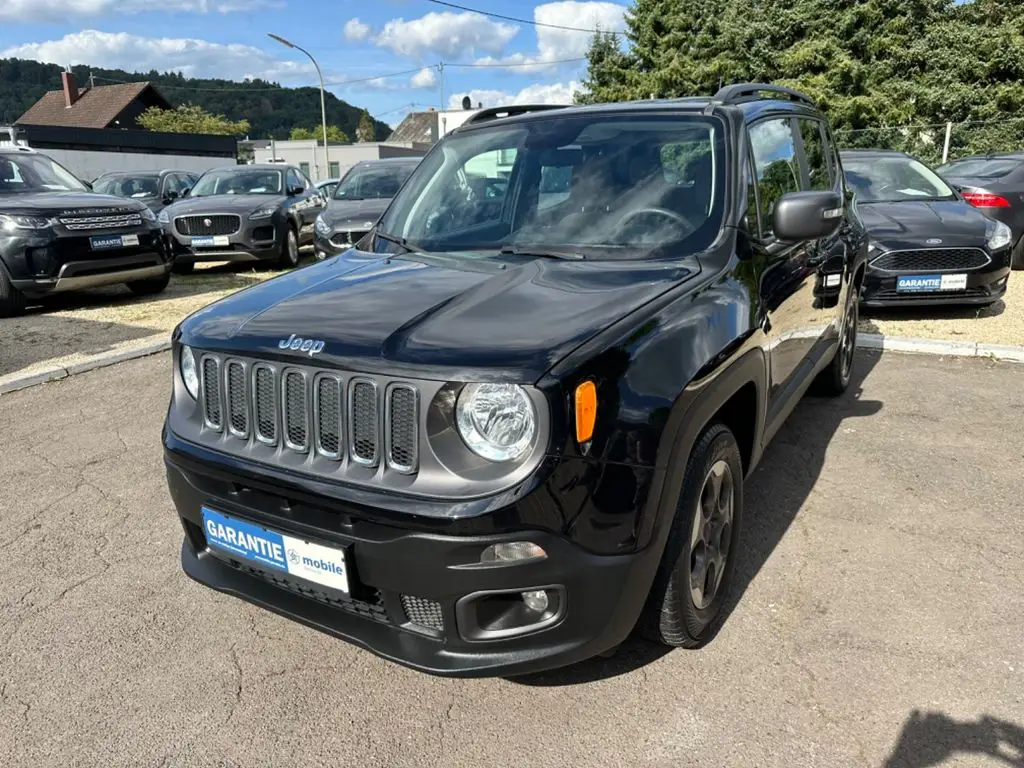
878	617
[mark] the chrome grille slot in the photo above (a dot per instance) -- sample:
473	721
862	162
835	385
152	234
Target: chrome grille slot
363	422
296	418
265	404
327	399
237	399
211	393
401	425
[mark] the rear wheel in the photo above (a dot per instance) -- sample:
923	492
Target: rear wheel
834	380
696	568
150	287
289	249
12	301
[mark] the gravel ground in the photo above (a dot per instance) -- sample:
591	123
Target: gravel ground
1002	323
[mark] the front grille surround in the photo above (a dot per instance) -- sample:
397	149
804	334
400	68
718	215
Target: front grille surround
329	443
210	387
264	400
363	428
220	224
295	410
237	397
401	429
909	261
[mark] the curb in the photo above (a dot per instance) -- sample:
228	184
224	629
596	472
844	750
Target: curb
15	382
943	348
874	341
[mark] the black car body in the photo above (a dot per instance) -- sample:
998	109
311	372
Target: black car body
56	235
244	213
155	189
479	442
928	246
359	199
994	184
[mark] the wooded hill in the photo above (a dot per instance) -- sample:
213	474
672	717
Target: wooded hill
272	111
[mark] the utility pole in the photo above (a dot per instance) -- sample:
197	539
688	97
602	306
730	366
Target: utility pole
440	69
92	83
323	108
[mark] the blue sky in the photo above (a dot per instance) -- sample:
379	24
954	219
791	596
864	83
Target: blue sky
351	41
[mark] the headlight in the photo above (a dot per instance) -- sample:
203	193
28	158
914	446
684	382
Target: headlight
262	213
148	215
189	375
998	235
322	226
496	421
11	223
163	218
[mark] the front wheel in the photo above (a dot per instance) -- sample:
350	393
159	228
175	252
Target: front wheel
696	568
834	380
12	301
289	250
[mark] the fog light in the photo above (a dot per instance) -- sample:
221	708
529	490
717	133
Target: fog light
536	601
511	552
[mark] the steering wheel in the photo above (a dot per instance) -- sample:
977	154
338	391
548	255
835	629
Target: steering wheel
670	215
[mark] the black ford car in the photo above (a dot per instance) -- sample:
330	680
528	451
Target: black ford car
928	245
56	235
504	431
359	199
257	213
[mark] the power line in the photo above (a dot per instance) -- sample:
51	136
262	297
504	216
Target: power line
273	88
518	20
525	64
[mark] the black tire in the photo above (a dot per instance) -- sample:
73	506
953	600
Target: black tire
1017	255
289	257
679	611
150	287
12	301
183	267
834	380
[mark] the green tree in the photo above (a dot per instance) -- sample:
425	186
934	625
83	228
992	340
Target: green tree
366	130
334	133
606	68
190	118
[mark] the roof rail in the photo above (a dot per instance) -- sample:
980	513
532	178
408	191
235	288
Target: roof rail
492	113
741	92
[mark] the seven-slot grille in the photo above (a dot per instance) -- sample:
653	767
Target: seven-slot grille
80	223
219	224
307	411
931	260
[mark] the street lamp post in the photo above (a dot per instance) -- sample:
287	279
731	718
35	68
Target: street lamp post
323	106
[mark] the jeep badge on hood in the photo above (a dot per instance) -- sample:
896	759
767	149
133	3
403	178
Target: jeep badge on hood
299	344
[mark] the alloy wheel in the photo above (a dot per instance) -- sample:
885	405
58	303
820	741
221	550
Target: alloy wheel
848	340
711	534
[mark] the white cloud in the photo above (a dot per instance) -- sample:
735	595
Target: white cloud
557	44
425	78
191	57
551	93
449	35
356	30
60	10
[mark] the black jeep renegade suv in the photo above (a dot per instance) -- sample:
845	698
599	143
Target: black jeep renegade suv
513	422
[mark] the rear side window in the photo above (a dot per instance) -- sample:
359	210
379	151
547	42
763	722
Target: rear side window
775	164
819	174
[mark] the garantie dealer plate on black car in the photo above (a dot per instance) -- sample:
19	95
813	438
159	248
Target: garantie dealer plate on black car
276	551
930	283
106	242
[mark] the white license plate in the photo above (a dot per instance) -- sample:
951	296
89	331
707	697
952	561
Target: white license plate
930	283
106	242
207	241
276	551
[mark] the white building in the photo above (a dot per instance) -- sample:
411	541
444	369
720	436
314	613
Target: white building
308	154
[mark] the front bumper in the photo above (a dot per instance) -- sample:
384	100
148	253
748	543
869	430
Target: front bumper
983	286
399	575
259	240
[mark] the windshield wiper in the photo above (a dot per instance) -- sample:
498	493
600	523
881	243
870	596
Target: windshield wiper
541	253
399	241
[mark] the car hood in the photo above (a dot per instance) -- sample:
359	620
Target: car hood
363	214
913	222
60	202
445	317
221	204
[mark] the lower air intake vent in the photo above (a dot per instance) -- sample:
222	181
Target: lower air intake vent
425	613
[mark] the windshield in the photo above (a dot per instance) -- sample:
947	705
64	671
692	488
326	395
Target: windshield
984	167
372	181
603	185
893	179
24	172
238	182
127	186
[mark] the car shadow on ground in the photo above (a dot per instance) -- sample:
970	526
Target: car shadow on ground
773	495
930	313
931	738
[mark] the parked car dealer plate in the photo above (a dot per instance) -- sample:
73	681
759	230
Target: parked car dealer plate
275	551
205	241
930	283
105	242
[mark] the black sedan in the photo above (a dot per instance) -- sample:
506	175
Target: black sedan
994	184
155	189
928	246
243	213
360	198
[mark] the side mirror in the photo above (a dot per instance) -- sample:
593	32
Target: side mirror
185	191
171	196
292	191
88	185
807	215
